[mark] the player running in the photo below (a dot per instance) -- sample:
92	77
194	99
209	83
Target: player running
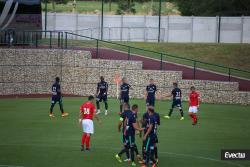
128	120
145	124
86	116
56	97
124	93
151	90
176	94
102	95
150	138
194	102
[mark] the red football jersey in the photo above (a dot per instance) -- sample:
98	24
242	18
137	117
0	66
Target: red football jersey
193	99
88	110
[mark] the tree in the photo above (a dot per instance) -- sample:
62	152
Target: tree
213	7
54	2
126	6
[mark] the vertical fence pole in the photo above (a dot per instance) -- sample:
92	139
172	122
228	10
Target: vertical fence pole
23	38
97	48
129	53
46	15
66	40
36	39
50	39
161	60
219	29
194	70
61	40
229	74
159	24
58	39
102	21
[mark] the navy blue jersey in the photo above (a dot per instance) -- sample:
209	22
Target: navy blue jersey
157	118
102	87
176	93
56	89
151	90
145	119
128	118
125	90
152	121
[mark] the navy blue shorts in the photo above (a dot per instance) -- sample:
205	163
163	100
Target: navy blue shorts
129	140
149	143
176	103
124	99
102	97
150	101
55	99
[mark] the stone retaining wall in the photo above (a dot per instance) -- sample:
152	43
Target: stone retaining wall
32	71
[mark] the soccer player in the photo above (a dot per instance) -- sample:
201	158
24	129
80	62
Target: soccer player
102	94
86	116
57	97
176	94
124	93
151	90
194	102
145	124
149	138
128	121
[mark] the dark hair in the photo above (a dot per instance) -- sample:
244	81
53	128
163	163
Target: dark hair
175	84
134	107
57	79
151	110
192	87
102	78
90	98
126	105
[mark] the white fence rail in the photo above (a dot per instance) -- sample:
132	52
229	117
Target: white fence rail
145	28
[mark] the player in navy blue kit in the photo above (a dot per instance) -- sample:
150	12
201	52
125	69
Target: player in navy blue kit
145	124
151	90
102	95
57	97
150	138
176	94
124	93
128	120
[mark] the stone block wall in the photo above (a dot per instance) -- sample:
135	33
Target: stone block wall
32	71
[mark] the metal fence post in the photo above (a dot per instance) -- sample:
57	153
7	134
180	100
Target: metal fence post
229	74
36	40
66	40
61	40
161	60
194	70
50	39
97	48
129	53
58	39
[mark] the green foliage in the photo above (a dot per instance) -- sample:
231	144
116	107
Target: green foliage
213	7
56	1
125	7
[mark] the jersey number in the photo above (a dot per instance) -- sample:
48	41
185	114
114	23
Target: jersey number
86	111
178	94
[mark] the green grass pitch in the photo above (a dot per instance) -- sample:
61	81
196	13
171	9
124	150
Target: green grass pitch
29	138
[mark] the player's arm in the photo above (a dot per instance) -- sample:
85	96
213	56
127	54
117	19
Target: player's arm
107	89
145	94
80	116
97	89
148	131
120	124
135	125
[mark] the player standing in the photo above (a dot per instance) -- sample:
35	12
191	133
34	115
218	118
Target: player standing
149	138
57	97
145	124
86	116
151	90
194	103
124	93
128	121
102	95
176	94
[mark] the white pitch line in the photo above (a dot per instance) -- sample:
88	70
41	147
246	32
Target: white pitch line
116	149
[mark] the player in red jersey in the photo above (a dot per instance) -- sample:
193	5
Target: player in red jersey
194	101
87	114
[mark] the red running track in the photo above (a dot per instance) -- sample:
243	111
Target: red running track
152	64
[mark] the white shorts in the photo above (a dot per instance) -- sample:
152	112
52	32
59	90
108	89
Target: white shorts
88	126
193	109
